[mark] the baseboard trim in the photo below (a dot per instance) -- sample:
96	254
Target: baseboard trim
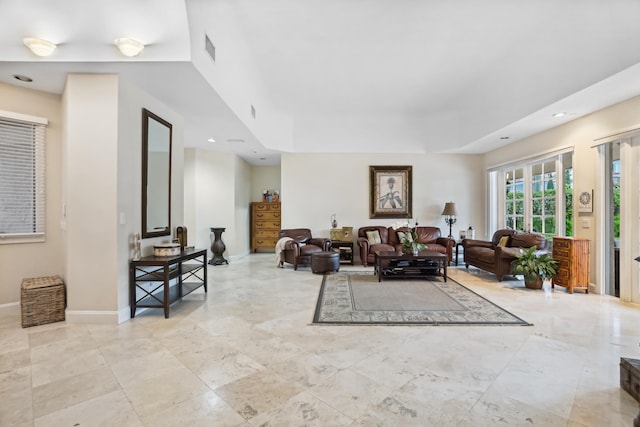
11	308
86	316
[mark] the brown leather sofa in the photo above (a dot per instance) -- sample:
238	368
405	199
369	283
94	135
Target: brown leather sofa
429	236
495	258
298	250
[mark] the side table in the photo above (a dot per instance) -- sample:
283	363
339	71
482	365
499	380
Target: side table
345	249
458	246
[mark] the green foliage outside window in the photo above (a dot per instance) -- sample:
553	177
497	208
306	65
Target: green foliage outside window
568	200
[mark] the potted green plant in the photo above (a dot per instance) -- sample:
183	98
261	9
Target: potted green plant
409	238
534	267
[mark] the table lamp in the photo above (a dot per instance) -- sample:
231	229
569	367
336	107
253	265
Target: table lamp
449	213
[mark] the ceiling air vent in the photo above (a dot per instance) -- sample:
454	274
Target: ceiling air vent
210	48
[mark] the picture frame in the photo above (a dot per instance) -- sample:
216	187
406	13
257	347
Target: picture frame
585	202
390	191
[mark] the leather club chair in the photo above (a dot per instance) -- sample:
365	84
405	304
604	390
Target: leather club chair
368	249
495	256
298	250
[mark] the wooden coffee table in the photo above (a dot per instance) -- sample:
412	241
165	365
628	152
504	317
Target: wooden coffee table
392	264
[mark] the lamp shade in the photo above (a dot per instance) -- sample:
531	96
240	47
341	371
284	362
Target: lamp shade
449	209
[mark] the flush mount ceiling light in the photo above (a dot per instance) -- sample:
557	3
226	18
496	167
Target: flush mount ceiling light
560	114
40	47
129	47
211	140
23	78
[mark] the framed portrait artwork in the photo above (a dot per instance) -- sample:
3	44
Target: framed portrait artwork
390	191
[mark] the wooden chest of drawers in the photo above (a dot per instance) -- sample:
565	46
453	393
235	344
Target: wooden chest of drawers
572	255
265	225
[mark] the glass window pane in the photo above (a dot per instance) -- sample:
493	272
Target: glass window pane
510	210
519	190
520	208
550	225
537	224
536	187
550	207
509	222
536	207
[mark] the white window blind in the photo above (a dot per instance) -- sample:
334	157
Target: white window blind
22	180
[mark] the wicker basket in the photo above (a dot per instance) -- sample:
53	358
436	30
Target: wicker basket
42	300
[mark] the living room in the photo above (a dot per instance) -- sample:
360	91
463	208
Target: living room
246	353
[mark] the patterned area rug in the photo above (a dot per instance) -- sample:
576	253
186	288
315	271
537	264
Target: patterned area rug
359	299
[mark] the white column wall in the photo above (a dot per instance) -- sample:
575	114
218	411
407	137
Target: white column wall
90	195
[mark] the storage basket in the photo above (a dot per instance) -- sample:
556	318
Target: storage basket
42	300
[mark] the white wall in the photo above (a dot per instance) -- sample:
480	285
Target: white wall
314	186
264	178
19	261
219	188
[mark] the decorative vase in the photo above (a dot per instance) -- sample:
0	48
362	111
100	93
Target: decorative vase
334	221
218	247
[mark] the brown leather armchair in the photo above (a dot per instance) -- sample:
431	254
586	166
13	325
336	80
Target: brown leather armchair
496	258
298	250
367	249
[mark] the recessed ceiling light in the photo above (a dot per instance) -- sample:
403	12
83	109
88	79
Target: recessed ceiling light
128	46
504	137
263	158
211	140
40	47
562	113
22	78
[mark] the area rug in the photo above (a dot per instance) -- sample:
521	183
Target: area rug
359	299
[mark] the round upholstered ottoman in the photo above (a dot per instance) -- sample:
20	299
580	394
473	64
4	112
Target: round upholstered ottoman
325	262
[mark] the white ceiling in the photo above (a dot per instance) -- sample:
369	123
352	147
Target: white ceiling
409	76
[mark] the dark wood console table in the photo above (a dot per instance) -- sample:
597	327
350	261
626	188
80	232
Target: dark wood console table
150	279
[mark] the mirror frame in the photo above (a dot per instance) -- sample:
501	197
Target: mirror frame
146	116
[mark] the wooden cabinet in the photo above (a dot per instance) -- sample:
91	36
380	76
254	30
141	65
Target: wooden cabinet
265	225
572	255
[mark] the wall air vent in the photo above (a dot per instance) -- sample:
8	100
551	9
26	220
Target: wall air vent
210	48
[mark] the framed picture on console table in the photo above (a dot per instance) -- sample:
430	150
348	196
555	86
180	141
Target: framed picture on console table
391	191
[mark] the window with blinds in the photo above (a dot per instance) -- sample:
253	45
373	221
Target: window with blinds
22	179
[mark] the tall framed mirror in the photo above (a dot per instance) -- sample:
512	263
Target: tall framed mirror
156	175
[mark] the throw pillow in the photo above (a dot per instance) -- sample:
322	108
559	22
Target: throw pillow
402	235
373	236
504	240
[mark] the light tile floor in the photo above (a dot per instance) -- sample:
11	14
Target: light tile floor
246	354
